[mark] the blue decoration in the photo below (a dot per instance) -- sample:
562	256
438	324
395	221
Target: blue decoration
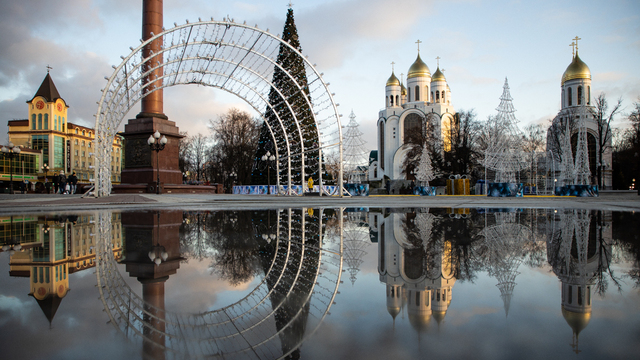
424	190
505	190
357	189
577	190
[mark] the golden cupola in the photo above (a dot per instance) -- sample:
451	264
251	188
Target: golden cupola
438	75
418	69
576	70
393	80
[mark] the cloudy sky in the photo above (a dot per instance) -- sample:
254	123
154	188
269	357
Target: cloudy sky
353	42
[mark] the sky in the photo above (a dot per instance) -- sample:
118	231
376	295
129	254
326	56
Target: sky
353	42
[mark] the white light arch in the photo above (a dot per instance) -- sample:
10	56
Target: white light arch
236	58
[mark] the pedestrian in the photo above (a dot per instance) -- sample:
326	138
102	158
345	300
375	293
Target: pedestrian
47	185
388	186
56	183
73	181
23	186
63	182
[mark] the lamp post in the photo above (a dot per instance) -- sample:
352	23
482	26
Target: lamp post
12	244
157	144
232	178
10	152
158	253
45	169
269	159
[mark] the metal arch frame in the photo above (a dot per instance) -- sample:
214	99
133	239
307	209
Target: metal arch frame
112	108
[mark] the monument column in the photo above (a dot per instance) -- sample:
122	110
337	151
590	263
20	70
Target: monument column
141	166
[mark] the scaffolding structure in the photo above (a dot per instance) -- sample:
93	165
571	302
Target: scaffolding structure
355	154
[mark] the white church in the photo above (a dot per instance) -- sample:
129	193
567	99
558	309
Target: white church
426	98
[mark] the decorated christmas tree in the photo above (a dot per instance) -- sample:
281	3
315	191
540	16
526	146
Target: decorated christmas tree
289	100
425	171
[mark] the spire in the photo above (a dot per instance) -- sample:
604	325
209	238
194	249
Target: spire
47	90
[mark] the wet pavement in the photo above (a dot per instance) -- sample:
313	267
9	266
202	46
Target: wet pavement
17	203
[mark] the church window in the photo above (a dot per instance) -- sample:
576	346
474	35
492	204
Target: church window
432	97
39	121
569	103
397	100
426	93
437	295
588	295
579	295
382	253
381	139
417	93
443	97
588	95
391	100
426	300
437	96
417	298
579	95
413	129
570	297
46	121
391	292
33	121
562	98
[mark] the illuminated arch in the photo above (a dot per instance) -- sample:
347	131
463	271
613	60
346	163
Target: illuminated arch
236	58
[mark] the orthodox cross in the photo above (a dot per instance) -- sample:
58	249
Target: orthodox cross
392	63
418	42
438	60
573	48
576	40
48	68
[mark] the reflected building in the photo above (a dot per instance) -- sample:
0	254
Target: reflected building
579	251
416	264
47	249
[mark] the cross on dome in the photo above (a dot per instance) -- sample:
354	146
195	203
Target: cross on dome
438	60
392	63
573	48
576	40
418	42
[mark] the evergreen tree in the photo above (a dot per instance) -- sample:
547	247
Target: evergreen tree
293	90
425	171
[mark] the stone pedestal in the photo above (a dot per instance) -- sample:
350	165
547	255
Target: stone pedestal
141	165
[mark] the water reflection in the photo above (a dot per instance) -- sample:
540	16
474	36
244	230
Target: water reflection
291	262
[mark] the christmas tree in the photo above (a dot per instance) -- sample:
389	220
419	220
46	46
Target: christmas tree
425	171
289	100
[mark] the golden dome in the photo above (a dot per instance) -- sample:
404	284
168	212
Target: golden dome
420	321
438	75
393	311
439	316
577	321
393	80
576	70
403	90
419	68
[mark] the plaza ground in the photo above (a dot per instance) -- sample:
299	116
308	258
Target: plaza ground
23	203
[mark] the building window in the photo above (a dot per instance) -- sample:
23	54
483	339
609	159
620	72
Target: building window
381	140
417	93
76	153
89	144
569	97
41	142
76	134
579	95
76	142
33	121
443	97
39	121
83	133
413	129
391	100
58	152
46	121
437	96
409	93
588	95
83	142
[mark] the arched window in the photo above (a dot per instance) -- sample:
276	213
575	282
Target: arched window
33	121
55	122
437	96
83	133
397	100
39	121
443	97
413	129
76	134
432	97
391	100
417	93
381	140
63	125
409	93
562	98
46	121
426	93
588	95
569	102
579	95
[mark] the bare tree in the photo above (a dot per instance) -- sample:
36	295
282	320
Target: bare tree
198	154
603	118
235	137
183	152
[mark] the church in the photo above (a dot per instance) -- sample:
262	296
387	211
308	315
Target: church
422	108
577	104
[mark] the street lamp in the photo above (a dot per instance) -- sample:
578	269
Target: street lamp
158	254
9	152
269	159
157	144
45	169
232	177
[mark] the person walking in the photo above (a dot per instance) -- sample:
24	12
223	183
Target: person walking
63	182
56	183
73	181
